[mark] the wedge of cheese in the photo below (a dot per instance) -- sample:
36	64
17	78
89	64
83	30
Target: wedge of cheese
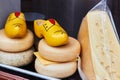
100	57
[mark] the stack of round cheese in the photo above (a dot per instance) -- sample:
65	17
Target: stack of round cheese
59	61
17	51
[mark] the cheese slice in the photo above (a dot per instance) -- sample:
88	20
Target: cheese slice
47	62
42	60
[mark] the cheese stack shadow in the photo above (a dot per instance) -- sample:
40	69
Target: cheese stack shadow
57	61
16	41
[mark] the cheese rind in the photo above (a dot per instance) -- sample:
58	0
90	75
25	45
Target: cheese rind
65	53
17	44
17	59
61	70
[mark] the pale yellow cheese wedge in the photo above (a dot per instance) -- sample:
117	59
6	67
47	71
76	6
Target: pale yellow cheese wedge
100	57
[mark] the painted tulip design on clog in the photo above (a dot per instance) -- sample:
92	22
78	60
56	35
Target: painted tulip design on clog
15	26
53	33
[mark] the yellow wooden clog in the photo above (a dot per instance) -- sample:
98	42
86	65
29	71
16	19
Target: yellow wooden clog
15	26
53	33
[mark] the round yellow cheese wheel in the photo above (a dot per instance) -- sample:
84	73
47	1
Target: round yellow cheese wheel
58	70
18	58
68	52
17	44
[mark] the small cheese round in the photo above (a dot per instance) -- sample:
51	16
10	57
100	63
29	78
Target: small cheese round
64	53
17	44
18	58
58	70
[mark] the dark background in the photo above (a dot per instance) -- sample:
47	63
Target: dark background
69	13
